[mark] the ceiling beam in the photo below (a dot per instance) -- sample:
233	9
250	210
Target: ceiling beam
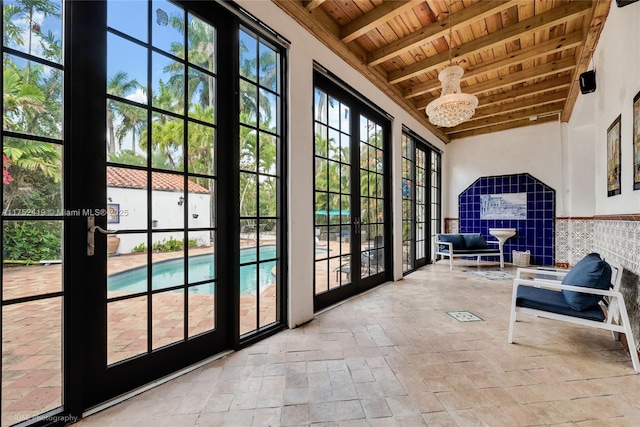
463	18
514	58
540	71
494	110
504	126
599	16
312	4
507	34
325	30
528	90
509	117
378	16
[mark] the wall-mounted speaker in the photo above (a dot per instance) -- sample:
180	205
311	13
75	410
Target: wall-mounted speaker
621	3
588	81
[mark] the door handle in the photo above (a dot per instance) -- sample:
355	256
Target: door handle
91	234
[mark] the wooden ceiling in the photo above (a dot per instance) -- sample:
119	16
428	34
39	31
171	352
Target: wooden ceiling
522	58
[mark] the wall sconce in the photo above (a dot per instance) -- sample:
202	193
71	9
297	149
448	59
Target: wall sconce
194	215
154	223
109	199
180	201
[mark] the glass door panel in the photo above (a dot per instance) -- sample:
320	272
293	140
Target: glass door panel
371	198
420	201
33	215
333	261
161	178
260	117
350	195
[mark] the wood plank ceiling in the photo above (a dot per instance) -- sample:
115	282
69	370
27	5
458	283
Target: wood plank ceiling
522	58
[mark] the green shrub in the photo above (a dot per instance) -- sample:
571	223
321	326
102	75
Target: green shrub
31	240
139	248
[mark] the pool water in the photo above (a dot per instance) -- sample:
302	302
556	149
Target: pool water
201	268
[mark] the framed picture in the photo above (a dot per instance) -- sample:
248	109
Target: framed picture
113	213
613	158
636	142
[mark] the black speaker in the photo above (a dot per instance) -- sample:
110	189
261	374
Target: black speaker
621	3
588	81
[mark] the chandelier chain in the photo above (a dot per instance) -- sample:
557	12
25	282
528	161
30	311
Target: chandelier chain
450	30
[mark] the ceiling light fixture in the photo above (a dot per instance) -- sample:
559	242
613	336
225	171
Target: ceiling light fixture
452	107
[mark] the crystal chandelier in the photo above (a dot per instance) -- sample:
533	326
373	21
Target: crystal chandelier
452	107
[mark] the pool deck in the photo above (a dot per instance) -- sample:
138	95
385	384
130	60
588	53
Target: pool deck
31	359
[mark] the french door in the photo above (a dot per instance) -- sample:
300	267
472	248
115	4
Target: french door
421	200
153	136
351	188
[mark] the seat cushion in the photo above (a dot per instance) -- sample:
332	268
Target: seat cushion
456	239
474	241
590	272
554	302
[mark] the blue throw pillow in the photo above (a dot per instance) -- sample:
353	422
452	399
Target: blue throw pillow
456	239
475	241
590	272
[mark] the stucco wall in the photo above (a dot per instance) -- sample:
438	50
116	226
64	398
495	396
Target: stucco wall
535	150
166	211
616	61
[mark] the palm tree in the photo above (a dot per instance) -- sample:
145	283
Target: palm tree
26	9
119	85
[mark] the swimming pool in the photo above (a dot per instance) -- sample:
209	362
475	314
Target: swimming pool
170	273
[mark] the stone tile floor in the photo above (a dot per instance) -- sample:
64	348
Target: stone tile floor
393	357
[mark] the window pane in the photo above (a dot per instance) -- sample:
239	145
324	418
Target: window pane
34	28
248	147
126	69
269	76
31	357
168	200
167	84
25	244
128	17
202	44
168	27
202	96
201	149
248	60
167	318
33	179
32	95
126	329
167	142
126	133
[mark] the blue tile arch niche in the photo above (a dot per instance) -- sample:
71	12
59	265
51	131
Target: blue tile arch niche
536	233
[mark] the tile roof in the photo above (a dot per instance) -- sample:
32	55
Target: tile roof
136	178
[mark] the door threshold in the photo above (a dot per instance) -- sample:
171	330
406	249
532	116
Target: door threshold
142	389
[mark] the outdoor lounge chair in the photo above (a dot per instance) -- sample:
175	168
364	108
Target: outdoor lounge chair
371	260
575	296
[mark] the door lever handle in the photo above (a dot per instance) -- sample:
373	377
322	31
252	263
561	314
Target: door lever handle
91	234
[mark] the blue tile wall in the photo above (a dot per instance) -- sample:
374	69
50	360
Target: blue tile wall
536	233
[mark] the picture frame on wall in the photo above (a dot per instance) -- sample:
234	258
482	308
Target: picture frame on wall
636	142
613	158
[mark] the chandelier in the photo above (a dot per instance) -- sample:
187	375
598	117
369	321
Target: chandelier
452	107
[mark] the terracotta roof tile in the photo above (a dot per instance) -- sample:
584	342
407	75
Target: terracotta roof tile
136	178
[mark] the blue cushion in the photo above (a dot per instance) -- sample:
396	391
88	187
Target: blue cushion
590	272
475	241
456	239
553	301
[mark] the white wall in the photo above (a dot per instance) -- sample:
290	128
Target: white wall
536	150
616	62
304	49
165	208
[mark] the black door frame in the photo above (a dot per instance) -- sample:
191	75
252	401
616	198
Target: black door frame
417	143
88	381
334	87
